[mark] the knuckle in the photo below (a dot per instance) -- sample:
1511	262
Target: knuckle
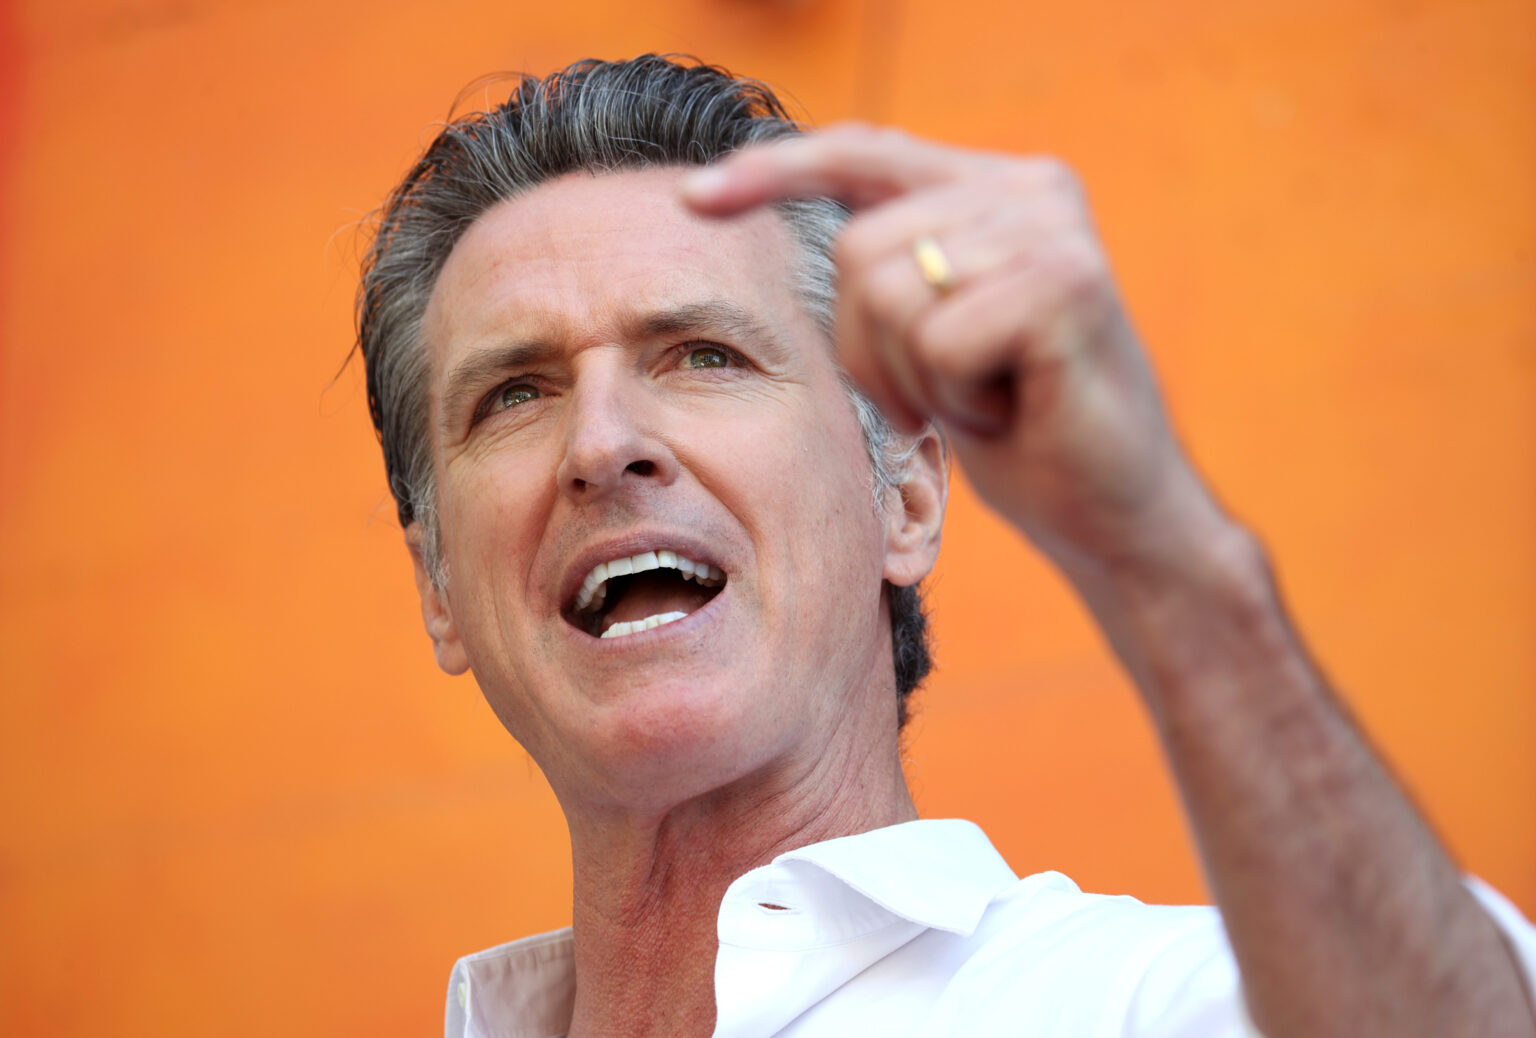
1079	274
1043	176
1054	174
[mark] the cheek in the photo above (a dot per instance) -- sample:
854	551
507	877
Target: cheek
812	494
490	520
785	473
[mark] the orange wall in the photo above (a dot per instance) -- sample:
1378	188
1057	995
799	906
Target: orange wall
237	797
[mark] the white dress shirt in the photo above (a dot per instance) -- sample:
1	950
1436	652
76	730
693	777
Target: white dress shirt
923	930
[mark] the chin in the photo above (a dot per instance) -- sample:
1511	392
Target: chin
662	745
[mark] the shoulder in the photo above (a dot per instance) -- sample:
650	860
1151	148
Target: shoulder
1047	957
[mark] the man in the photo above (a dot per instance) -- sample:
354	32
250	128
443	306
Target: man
677	550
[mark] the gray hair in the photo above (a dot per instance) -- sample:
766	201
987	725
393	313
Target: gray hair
595	117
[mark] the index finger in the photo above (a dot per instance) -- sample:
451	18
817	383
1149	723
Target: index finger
860	166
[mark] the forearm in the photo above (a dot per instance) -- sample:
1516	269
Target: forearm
1346	915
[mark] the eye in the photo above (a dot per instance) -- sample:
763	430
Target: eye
517	393
707	357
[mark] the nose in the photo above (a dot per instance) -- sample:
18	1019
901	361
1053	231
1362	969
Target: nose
612	439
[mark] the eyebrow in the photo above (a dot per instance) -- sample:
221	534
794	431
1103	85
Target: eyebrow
716	315
472	373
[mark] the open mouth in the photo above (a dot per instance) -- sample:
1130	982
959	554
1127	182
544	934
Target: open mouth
626	596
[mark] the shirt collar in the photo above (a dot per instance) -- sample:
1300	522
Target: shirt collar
525	989
796	930
940	873
839	906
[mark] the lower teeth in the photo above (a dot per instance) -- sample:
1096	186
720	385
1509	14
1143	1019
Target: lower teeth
619	630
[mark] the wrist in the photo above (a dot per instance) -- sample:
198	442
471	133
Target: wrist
1179	543
1187	597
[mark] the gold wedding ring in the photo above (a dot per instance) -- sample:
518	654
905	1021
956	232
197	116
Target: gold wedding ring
933	264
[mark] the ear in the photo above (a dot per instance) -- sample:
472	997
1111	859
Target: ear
913	523
434	610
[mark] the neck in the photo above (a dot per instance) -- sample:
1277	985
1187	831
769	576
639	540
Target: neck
648	887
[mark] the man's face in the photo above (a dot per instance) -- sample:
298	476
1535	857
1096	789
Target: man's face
611	377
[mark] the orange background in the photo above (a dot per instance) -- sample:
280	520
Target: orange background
235	795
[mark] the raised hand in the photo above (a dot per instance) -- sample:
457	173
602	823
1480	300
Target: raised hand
973	290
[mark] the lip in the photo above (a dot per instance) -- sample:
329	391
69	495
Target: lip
633	544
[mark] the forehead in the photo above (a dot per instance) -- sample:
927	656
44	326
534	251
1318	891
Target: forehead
583	255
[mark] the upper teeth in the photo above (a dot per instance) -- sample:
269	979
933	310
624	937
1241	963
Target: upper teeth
595	588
